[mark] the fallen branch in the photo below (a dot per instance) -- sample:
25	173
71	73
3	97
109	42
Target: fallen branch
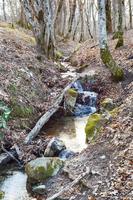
44	119
8	156
67	188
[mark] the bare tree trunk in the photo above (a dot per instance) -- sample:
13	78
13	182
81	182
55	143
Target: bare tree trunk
40	16
115	13
120	24
106	56
108	16
4	11
130	14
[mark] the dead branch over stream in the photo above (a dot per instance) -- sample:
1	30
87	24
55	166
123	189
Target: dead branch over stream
44	119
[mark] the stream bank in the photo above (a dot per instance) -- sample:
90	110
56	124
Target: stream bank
110	156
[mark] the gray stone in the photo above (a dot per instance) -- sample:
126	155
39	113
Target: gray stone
39	189
54	147
40	169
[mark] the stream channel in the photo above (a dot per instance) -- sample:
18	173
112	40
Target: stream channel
70	129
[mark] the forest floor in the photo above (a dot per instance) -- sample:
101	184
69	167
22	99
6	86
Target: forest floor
30	86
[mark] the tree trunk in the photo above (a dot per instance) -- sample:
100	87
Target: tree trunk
120	25
108	16
106	56
4	11
130	14
40	15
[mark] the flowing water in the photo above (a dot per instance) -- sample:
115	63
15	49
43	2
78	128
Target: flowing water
69	129
13	184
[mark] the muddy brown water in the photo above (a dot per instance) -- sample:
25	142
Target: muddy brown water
71	131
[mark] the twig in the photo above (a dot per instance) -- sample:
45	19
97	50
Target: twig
70	185
12	156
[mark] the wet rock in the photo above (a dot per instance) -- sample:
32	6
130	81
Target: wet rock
93	126
40	189
78	86
108	104
70	99
6	158
54	147
81	110
65	154
87	98
40	169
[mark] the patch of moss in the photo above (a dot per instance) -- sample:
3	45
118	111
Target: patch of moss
22	111
72	92
93	126
58	55
118	35
114	112
12	88
107	59
2	194
108	104
38	171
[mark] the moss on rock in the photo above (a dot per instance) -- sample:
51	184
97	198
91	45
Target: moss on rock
40	169
108	104
93	126
72	92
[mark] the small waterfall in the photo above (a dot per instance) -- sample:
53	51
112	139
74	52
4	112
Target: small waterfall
86	101
77	85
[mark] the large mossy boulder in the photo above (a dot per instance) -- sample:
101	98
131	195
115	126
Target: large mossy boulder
40	169
93	126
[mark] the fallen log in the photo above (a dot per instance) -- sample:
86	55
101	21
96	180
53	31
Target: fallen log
68	187
44	119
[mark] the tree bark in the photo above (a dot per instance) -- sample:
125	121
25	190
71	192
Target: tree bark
120	25
40	15
130	14
106	56
108	16
4	11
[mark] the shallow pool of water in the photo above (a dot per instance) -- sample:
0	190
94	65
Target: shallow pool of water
13	184
71	130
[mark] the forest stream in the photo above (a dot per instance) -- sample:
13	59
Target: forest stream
69	129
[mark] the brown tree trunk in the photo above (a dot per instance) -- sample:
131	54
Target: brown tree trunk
120	24
108	16
130	14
